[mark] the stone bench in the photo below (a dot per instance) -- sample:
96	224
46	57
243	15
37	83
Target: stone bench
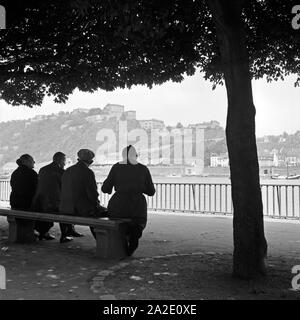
110	234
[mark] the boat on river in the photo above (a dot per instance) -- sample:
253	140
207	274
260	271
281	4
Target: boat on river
293	177
290	177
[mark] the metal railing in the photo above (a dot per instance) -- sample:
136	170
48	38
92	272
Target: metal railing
192	197
279	200
4	190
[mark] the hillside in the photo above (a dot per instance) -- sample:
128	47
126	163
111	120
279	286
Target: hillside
68	132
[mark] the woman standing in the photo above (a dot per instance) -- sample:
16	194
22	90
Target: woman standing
130	180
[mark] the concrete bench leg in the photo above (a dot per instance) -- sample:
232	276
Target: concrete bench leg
20	230
110	243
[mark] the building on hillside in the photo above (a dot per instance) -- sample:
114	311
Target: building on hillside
203	125
197	126
39	118
130	115
96	118
214	124
292	160
113	110
80	110
152	124
266	161
219	161
52	117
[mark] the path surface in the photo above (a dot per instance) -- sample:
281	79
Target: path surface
189	233
162	267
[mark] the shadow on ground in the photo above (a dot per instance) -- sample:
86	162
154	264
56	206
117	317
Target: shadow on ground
199	276
50	270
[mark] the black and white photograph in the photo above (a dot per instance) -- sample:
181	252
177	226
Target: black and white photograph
149	151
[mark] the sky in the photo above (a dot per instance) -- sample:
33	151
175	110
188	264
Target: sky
191	101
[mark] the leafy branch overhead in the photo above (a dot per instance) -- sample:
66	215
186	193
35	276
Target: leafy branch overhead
53	47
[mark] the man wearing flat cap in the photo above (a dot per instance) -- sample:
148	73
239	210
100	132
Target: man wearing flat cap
79	195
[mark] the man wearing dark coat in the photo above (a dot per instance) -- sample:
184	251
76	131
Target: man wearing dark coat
47	198
79	195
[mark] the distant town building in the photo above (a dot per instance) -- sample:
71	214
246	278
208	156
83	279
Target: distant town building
96	118
110	108
113	110
197	126
211	125
38	118
219	161
292	161
52	117
152	124
80	110
266	161
130	115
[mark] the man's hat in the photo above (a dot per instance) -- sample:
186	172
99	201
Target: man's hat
85	155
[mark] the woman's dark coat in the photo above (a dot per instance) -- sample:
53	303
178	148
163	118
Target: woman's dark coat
23	184
130	183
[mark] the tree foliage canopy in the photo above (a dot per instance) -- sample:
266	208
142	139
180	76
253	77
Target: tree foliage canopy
53	47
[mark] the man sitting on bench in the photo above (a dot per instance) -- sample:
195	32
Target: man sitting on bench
47	199
79	196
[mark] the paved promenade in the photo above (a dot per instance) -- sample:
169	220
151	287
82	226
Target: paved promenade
179	257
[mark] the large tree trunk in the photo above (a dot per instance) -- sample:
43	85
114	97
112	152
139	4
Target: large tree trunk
250	246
